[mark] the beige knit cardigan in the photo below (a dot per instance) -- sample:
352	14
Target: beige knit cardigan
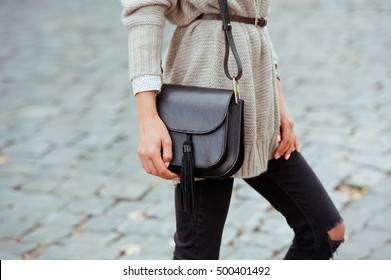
195	57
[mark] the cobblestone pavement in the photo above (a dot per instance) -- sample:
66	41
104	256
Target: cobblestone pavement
70	182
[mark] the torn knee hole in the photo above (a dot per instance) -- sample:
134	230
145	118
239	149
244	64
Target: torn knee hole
337	233
335	237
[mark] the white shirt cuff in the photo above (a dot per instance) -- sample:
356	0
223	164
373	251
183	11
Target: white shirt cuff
146	83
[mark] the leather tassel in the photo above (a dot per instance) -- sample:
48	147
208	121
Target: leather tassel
187	177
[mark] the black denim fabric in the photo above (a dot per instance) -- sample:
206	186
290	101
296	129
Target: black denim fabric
289	185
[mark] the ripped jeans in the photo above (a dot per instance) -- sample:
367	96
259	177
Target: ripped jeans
289	185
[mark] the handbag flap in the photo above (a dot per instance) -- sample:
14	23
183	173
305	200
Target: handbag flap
195	110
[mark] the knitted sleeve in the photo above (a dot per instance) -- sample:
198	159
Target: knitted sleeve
145	21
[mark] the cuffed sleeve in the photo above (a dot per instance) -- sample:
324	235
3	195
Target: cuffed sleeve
146	83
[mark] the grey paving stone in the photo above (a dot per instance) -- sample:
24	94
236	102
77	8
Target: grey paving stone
366	178
94	162
275	223
129	246
62	157
9	256
230	234
48	183
355	220
372	238
150	226
30	201
369	118
8	182
97	140
157	249
367	141
383	188
161	210
27	149
61	218
164	191
246	214
82	184
325	134
339	199
102	224
381	221
129	169
78	252
19	130
120	152
90	238
274	242
130	187
76	137
23	215
383	253
58	133
332	171
125	209
25	168
47	234
370	204
322	116
251	253
351	250
89	205
243	194
39	111
13	250
125	190
13	229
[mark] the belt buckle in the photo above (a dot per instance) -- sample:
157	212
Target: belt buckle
262	22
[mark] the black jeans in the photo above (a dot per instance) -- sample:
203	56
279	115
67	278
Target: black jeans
289	185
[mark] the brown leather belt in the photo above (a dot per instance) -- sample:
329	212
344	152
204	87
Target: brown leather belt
260	22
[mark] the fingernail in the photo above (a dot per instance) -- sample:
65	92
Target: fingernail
277	156
287	156
167	164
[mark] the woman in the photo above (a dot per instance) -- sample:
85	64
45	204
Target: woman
273	165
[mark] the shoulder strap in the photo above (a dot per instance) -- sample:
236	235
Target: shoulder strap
229	42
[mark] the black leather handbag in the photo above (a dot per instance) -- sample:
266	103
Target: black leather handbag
205	125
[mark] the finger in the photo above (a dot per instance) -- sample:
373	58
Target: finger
142	159
145	158
150	167
288	153
282	148
167	151
144	165
167	155
161	168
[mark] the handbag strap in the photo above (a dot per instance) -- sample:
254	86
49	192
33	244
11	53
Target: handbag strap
229	43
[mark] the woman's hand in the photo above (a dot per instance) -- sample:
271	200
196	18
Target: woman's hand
154	142
288	141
